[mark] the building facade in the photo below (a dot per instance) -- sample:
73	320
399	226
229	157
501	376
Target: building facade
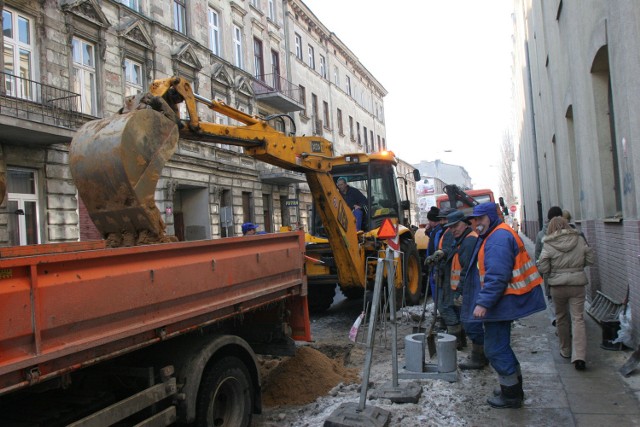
71	61
576	121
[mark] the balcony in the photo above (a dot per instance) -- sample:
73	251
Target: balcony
278	93
33	113
274	175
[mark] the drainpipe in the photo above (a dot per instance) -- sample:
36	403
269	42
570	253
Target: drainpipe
535	139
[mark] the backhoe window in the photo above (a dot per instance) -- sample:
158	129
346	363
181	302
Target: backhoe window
377	182
384	193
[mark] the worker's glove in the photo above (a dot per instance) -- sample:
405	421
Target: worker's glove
436	257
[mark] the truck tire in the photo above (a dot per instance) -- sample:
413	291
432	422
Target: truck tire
412	270
352	292
320	297
226	395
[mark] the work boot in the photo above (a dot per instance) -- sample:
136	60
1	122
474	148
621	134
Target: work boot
477	360
458	332
509	397
497	391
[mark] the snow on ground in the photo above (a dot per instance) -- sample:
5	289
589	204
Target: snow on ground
442	403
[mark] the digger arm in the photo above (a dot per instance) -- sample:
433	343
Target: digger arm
312	156
455	193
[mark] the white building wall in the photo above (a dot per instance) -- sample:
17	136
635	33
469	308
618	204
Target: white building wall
577	127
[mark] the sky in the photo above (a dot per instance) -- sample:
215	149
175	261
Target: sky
446	66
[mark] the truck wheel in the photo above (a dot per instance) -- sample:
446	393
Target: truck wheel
412	270
320	297
226	395
352	292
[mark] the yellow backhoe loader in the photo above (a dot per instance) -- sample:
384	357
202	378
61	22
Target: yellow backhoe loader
116	163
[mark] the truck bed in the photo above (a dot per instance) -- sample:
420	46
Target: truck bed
66	306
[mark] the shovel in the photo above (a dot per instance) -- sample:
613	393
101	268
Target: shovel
431	335
419	329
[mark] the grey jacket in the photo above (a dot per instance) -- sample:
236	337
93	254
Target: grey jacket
564	256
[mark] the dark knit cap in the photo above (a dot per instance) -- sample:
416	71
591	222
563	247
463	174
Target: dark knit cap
433	213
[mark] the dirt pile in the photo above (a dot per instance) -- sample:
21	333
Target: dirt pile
303	378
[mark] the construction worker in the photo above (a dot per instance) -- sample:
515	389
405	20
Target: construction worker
356	201
504	286
450	316
464	243
249	229
434	231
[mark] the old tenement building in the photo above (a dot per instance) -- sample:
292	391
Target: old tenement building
66	62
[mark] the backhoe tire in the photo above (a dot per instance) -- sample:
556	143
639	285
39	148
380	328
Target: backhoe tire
412	270
352	292
226	395
320	297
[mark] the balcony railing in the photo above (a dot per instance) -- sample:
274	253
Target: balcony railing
33	101
274	89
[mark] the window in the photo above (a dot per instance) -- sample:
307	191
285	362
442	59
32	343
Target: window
132	77
256	4
358	133
314	106
258	61
317	122
84	75
275	69
366	141
340	127
214	32
325	114
133	4
380	147
336	76
312	58
22	195
18	52
373	142
237	46
246	207
303	100
298	46
180	16
272	10
323	67
348	88
351	135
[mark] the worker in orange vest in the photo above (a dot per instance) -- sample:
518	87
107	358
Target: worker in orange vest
505	286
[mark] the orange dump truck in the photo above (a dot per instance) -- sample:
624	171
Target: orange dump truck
146	335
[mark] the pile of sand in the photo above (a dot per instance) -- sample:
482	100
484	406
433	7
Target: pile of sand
303	378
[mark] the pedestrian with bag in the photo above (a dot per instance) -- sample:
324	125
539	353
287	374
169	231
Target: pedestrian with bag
564	256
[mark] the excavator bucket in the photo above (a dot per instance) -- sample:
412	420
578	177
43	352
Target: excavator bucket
116	163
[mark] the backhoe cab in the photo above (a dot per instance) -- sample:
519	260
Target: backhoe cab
123	156
373	175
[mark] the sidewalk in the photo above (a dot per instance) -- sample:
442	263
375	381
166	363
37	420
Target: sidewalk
556	394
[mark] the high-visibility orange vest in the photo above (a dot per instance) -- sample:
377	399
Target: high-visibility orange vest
456	267
525	273
442	239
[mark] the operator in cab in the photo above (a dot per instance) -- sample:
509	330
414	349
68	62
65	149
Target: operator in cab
356	201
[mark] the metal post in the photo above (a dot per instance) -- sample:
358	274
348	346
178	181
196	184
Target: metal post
377	290
391	276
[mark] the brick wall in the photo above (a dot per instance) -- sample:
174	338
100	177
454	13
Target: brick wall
617	268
